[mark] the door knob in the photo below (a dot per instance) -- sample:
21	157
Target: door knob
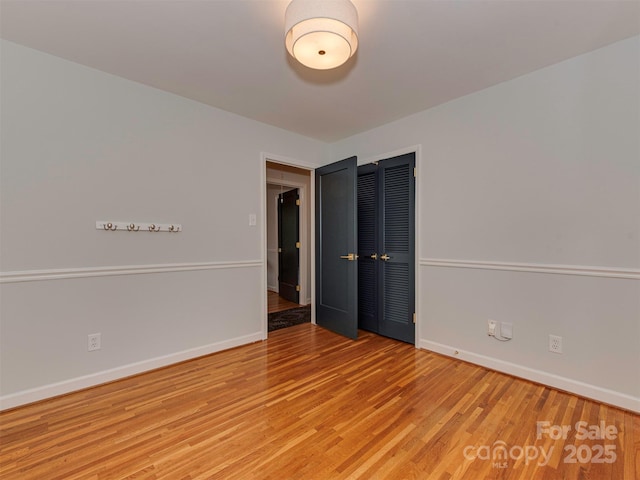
385	257
374	256
351	257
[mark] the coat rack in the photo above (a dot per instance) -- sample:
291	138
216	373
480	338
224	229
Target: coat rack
138	227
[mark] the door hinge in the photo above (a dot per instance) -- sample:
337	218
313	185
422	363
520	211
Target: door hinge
414	317
415	172
297	244
279	250
297	288
298	202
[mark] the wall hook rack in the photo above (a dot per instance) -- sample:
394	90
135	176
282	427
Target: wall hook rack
136	227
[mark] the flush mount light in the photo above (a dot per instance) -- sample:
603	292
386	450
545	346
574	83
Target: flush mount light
321	34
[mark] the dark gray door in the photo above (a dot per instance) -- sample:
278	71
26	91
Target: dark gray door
397	247
368	248
386	212
336	246
289	245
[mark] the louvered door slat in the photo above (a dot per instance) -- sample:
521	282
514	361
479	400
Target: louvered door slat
367	245
386	289
396	209
397	242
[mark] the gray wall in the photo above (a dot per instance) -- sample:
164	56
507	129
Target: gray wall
80	146
529	213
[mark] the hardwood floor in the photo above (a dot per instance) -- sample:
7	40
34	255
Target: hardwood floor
308	404
278	304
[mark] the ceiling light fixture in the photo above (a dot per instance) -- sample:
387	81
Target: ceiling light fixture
321	34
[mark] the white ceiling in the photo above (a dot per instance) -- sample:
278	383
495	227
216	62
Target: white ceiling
413	54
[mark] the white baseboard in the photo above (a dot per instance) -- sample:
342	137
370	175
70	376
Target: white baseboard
562	383
52	390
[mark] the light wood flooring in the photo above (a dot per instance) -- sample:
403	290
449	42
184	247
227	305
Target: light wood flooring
309	404
278	304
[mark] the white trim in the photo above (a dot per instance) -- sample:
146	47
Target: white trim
600	394
263	243
292	162
273	253
588	271
62	273
416	247
47	391
396	153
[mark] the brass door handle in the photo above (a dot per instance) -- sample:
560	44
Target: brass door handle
385	257
351	257
374	256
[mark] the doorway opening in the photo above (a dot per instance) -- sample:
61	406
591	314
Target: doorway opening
288	240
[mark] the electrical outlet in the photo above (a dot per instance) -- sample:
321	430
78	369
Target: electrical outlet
491	328
555	344
94	342
506	330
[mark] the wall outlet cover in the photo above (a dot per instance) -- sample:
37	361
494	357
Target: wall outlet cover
94	342
506	330
555	344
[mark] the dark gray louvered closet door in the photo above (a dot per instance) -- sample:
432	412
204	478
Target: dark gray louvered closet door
368	294
386	219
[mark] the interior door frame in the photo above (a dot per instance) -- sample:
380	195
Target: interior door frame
264	157
308	245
